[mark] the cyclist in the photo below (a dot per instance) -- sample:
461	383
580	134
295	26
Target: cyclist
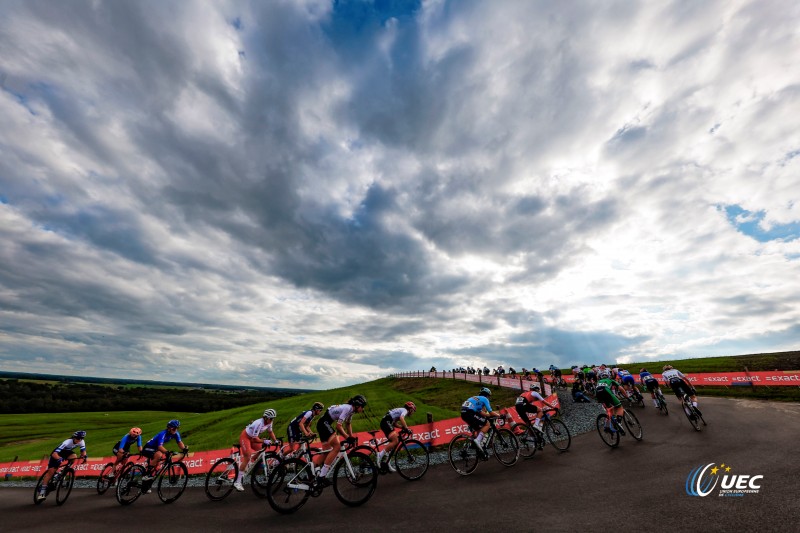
525	405
474	411
250	442
394	418
555	373
154	449
301	426
606	396
680	385
337	419
627	380
650	382
63	452
122	448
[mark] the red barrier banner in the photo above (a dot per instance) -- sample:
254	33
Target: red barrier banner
764	378
433	434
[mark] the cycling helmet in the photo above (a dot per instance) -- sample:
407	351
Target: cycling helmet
410	406
174	424
136	432
79	434
358	401
604	374
667	367
270	413
535	387
485	392
318	406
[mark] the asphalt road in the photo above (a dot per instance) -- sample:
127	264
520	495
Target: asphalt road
636	487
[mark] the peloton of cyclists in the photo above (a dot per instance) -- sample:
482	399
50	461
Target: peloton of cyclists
525	406
154	449
394	419
300	426
680	385
250	442
122	448
337	420
63	452
475	412
650	382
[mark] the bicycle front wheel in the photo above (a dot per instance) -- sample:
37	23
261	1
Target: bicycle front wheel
463	454
662	405
355	479
220	479
526	438
259	476
506	447
65	486
411	459
289	486
558	434
172	482
38	488
633	425
105	480
129	484
607	434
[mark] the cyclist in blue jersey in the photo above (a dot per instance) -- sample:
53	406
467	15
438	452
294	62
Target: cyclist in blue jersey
122	448
475	412
627	380
650	382
154	450
63	452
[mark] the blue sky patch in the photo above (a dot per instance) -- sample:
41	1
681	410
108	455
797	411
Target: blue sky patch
749	223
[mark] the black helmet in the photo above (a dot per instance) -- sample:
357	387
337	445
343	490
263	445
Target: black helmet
317	406
358	401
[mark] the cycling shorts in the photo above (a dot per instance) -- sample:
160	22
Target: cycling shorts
474	419
294	433
524	408
325	427
149	452
680	388
249	445
126	449
63	456
386	425
651	384
607	398
628	379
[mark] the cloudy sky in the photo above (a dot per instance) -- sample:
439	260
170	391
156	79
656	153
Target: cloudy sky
316	193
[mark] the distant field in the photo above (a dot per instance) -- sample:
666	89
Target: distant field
33	435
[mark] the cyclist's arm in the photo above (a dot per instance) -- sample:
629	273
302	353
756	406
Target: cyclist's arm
401	423
304	429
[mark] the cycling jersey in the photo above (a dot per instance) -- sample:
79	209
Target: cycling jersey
341	413
476	404
646	376
66	448
672	374
604	395
162	438
530	397
257	427
396	414
126	442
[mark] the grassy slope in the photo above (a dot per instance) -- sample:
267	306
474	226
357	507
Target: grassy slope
32	436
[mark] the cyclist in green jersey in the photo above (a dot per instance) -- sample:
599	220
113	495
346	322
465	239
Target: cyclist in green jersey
606	396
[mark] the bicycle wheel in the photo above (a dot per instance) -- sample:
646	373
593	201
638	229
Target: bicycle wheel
104	481
634	427
662	404
129	485
697	412
369	451
172	482
355	479
259	476
463	454
558	434
411	459
220	479
506	447
526	438
609	436
37	488
289	486
689	412
65	486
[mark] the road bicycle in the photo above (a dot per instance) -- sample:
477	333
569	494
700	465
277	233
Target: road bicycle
410	457
610	429
662	402
532	439
464	451
224	473
62	481
634	397
692	413
170	478
290	484
113	471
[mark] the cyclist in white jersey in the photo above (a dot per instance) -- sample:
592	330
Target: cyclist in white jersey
63	452
395	418
250	442
679	384
337	419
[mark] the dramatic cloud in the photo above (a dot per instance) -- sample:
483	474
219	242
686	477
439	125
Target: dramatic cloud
312	193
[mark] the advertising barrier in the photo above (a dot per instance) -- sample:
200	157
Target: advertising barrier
432	434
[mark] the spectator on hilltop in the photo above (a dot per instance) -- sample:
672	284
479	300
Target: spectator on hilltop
433	369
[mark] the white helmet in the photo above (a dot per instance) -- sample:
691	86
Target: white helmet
270	413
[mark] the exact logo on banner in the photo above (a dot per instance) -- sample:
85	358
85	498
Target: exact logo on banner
704	479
